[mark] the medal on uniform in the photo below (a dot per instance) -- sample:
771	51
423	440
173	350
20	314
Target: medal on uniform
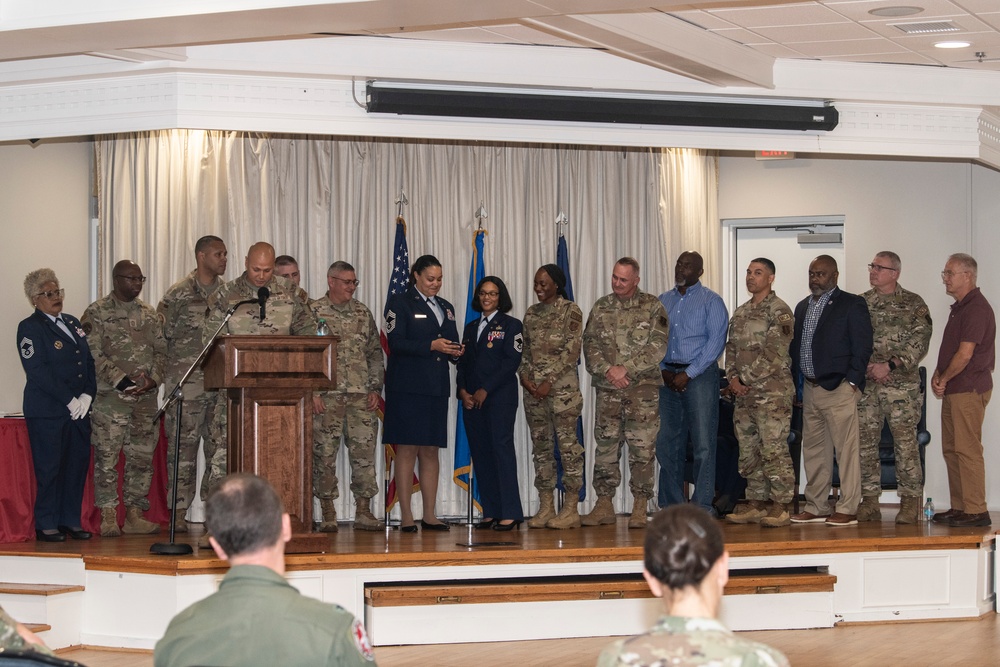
58	344
489	344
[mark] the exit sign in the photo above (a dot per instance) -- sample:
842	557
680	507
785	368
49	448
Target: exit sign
775	155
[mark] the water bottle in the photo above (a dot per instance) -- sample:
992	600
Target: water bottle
929	509
322	329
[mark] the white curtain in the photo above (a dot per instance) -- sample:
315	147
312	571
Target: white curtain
322	199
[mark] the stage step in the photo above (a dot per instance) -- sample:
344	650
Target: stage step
56	609
570	606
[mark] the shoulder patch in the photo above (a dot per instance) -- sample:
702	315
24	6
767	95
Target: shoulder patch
361	641
390	321
784	317
87	327
518	342
663	321
27	348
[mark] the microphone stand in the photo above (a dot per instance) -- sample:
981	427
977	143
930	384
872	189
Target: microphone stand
176	395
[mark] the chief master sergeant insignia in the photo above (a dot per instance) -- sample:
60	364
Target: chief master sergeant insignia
27	348
390	321
518	342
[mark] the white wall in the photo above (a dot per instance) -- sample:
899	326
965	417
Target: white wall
922	210
44	195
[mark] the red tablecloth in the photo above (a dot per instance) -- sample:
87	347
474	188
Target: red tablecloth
17	486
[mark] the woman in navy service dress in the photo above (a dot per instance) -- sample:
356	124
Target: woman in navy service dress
61	383
487	387
423	338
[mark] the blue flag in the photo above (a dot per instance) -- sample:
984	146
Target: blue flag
463	457
562	261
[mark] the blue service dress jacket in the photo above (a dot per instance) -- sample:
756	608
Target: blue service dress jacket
410	326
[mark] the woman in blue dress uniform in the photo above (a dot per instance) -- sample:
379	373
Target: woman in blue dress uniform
61	383
423	338
487	387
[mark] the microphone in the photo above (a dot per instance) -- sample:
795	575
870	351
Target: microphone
262	295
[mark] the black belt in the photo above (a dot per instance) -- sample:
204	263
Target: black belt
670	363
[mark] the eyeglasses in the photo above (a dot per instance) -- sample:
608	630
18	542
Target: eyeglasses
354	282
492	294
879	267
951	274
51	294
131	279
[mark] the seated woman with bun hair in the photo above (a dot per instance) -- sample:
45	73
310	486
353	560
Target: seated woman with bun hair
687	565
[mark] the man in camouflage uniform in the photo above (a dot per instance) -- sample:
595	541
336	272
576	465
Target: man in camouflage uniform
350	409
15	637
183	310
287	267
624	341
759	369
902	333
127	342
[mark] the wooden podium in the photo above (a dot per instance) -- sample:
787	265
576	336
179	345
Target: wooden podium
269	381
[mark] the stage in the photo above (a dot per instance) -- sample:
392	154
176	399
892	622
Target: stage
431	587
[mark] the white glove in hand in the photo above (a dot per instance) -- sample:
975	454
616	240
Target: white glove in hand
75	408
86	400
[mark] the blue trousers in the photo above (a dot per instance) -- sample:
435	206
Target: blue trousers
692	415
60	452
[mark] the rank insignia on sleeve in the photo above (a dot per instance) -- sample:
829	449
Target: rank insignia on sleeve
27	348
518	342
390	321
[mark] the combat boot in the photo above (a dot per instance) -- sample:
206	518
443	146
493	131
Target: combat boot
180	521
603	513
909	509
777	516
640	504
109	522
135	524
569	515
869	509
329	522
750	511
363	517
546	510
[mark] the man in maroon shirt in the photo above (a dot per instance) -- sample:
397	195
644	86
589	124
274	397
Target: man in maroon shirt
964	380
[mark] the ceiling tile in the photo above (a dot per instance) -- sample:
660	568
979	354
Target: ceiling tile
847	47
859	11
755	17
703	19
826	32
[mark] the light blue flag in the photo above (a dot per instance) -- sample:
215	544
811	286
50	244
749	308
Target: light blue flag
463	457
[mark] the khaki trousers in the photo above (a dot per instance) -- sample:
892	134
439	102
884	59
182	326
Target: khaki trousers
962	448
830	427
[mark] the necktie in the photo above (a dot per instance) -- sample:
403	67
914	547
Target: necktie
482	327
432	302
64	327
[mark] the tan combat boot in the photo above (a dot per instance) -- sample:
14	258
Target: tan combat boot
135	524
109	522
750	511
363	517
329	522
776	516
909	509
869	509
638	519
546	510
569	515
180	521
603	513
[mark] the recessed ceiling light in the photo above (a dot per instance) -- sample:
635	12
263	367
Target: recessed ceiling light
952	45
902	10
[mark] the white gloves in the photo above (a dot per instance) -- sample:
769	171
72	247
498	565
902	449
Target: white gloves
79	406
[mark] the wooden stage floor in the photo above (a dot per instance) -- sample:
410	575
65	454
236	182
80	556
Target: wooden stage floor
356	549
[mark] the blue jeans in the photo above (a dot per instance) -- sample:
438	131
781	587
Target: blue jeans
692	415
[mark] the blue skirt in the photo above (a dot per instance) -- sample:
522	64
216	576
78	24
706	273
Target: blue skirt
415	419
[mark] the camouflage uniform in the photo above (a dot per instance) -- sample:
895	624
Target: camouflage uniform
678	640
757	353
183	311
553	335
359	372
632	334
125	338
286	315
10	640
902	326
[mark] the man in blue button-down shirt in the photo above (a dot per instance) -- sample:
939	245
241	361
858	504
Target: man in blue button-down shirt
689	399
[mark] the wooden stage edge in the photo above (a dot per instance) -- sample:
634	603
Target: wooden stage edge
351	548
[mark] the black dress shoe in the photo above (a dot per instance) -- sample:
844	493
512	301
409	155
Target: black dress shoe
485	524
49	537
504	527
434	526
408	529
968	520
75	533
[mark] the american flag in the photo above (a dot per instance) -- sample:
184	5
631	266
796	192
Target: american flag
398	281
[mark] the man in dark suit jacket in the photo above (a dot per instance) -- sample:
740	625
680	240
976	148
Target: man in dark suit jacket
831	347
